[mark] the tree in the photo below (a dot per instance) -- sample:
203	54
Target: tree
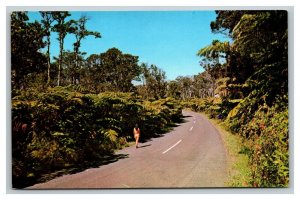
80	33
203	85
173	89
226	20
258	55
68	72
262	38
260	47
222	61
186	86
26	42
94	75
214	58
119	70
62	27
46	22
155	81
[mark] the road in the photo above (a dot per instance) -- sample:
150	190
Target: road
192	155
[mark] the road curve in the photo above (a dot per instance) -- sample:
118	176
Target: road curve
192	155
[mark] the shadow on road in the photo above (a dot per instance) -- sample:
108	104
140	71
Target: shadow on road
47	176
109	159
143	146
186	116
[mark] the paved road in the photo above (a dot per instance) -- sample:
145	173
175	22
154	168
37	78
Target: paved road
192	155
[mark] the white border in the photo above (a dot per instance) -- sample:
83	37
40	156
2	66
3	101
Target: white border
211	3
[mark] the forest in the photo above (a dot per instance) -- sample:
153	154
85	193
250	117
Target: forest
74	111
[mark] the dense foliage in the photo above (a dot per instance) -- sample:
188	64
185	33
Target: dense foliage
61	127
267	135
26	40
110	71
251	80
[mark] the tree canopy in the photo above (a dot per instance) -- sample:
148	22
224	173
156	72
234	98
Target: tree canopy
26	42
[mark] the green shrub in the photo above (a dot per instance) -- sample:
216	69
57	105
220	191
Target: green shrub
264	129
62	127
268	136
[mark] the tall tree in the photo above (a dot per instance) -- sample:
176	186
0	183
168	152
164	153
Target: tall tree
120	69
215	58
203	85
226	20
173	89
155	81
80	33
47	21
26	42
262	37
62	27
94	75
186	86
68	63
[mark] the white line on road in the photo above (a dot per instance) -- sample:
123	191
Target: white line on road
171	147
126	185
191	128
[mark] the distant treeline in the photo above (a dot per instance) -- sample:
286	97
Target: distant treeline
113	70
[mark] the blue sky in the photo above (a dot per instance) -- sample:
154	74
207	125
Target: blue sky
168	39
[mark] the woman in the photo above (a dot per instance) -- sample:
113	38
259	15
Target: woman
136	133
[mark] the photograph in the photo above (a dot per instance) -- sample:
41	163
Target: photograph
149	99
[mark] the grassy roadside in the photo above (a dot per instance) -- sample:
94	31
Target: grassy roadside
239	171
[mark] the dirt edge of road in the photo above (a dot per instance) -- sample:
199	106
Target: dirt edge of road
237	163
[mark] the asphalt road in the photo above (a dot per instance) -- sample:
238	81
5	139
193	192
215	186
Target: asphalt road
190	156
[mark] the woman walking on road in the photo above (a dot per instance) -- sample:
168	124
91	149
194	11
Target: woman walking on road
136	133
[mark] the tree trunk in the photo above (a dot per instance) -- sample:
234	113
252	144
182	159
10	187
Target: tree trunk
76	66
61	45
48	60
